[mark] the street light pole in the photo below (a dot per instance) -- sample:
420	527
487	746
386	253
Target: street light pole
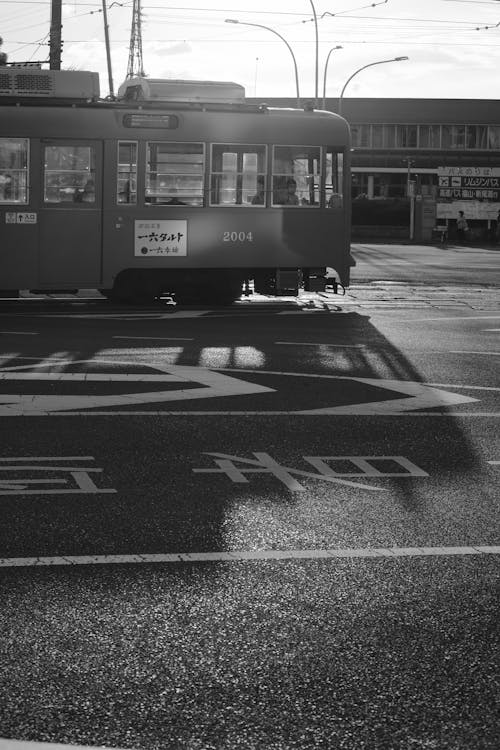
326	69
268	28
316	74
379	62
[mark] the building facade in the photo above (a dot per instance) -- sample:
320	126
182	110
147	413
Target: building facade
447	150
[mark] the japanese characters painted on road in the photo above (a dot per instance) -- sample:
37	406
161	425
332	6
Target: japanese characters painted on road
34	475
236	467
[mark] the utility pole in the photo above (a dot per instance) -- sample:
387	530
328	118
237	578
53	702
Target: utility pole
135	65
410	192
55	35
108	49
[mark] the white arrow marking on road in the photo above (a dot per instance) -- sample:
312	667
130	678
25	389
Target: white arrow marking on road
420	397
213	385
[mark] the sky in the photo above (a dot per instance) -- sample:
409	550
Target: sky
453	46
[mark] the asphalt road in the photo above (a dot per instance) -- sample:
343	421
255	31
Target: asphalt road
427	264
273	526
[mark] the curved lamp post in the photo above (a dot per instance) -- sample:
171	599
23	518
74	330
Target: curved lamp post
379	62
316	55
326	69
268	28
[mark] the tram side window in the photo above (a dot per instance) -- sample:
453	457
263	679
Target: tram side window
14	170
296	175
334	178
174	174
69	174
238	176
126	185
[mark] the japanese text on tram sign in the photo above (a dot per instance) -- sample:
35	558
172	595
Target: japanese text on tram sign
42	475
161	238
237	467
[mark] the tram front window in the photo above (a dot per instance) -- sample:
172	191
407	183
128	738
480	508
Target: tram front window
69	174
334	178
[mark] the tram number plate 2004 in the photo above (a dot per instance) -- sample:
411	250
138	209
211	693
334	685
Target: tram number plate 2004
237	237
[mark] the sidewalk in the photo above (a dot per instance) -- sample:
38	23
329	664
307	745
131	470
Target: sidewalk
399	294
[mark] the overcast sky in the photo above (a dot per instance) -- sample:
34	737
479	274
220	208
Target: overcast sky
453	45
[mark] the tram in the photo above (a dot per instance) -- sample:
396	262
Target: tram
176	187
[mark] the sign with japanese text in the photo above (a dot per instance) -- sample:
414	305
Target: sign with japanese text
20	217
468	171
473	209
469	183
161	238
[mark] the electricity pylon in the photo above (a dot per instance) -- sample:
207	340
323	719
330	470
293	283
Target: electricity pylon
135	64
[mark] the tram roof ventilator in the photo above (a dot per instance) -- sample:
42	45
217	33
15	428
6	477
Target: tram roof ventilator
172	90
49	84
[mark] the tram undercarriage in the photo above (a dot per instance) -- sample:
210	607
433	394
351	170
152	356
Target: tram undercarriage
212	286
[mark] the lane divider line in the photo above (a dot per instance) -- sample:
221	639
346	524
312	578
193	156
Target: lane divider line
171	413
23	745
245	555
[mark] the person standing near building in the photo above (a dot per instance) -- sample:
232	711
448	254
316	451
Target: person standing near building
462	226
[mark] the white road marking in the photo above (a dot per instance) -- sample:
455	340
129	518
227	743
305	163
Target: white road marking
212	385
20	486
249	413
240	555
307	343
93	377
20	333
458	351
421	397
130	316
494	463
493	330
23	745
152	338
454	317
467	387
263	463
47	458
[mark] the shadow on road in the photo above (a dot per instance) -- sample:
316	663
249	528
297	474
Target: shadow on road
309	455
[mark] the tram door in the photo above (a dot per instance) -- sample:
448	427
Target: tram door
70	231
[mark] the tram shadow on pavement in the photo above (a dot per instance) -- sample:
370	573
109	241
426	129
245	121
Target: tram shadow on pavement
342	395
169	654
322	442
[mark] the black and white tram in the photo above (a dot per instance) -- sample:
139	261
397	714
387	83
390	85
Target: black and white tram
173	187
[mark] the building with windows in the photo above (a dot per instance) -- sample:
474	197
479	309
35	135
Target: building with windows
444	149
